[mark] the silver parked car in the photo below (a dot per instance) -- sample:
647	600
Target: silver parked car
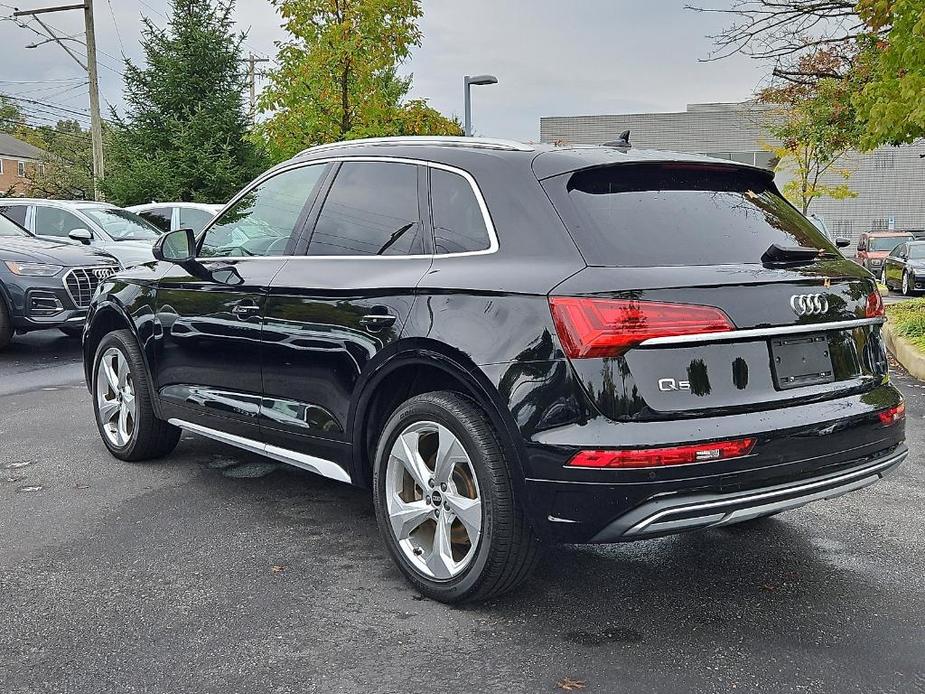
170	216
106	227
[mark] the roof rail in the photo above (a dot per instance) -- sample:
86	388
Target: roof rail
447	141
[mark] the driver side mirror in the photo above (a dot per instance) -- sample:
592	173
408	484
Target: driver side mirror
83	235
176	247
842	243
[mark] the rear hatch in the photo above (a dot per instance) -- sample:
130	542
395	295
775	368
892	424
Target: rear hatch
707	293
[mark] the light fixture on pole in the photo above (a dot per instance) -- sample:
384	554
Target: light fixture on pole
467	83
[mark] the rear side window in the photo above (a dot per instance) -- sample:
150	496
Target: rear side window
159	217
371	209
15	212
677	214
459	225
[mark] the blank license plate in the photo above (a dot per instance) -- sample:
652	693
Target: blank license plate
801	361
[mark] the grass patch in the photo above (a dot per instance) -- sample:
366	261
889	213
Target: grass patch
907	318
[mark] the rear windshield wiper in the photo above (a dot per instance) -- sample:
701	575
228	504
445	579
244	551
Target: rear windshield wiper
794	254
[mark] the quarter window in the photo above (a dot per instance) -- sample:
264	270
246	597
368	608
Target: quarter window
263	221
51	221
371	209
459	225
15	212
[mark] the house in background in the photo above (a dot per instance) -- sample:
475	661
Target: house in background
18	160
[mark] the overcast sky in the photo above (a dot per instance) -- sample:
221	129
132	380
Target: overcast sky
552	57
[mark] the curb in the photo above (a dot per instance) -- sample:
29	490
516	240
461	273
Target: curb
909	356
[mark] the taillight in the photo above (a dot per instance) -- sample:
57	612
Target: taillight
874	308
591	327
660	457
892	415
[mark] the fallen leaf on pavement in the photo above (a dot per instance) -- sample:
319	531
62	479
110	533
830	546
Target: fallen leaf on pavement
278	568
570	685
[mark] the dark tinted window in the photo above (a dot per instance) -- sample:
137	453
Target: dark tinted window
52	221
372	209
159	217
458	222
897	251
678	214
262	221
192	218
15	212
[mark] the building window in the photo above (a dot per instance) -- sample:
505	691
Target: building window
885	159
22	168
878	225
841	228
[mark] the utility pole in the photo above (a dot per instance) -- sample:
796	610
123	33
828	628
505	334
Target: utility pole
96	119
252	61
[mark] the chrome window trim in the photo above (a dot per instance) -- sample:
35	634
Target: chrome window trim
320	466
759	332
493	244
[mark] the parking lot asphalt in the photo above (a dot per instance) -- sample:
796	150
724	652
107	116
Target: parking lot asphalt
213	571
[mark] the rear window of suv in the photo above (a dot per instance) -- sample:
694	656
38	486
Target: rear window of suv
638	215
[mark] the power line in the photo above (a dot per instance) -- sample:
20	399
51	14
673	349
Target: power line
116	26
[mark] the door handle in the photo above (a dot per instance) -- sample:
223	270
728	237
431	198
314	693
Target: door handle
245	310
377	321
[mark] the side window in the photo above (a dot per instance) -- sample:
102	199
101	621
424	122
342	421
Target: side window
371	209
263	220
459	226
159	217
17	213
191	218
52	221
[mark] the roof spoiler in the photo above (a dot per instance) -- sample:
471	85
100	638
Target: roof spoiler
622	142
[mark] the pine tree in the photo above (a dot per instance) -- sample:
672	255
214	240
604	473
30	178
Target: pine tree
185	135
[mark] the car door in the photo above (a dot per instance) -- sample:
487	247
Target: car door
893	265
209	315
333	308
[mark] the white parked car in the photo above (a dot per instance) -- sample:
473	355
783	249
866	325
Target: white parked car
106	227
170	216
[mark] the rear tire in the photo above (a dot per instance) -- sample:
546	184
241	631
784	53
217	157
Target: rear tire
123	404
6	325
409	507
907	291
883	279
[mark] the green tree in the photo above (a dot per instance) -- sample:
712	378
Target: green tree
66	171
816	126
336	77
186	133
891	99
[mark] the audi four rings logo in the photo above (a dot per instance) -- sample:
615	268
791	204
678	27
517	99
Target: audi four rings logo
809	304
103	273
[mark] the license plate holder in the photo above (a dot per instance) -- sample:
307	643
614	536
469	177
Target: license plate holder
801	361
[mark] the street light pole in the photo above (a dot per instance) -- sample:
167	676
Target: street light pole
467	98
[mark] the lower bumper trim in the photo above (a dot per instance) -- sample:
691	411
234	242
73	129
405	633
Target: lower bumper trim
674	514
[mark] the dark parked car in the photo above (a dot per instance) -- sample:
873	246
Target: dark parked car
904	267
46	284
509	344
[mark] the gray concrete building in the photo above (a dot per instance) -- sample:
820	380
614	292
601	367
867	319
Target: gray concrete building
889	182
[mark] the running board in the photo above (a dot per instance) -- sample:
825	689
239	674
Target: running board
319	466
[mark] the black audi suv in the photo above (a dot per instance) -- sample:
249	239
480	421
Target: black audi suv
46	284
509	344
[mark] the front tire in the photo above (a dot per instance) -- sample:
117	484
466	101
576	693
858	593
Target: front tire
883	279
444	502
122	402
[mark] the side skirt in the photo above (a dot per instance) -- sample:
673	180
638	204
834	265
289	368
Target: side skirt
319	466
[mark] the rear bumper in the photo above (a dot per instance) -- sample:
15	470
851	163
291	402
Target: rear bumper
678	513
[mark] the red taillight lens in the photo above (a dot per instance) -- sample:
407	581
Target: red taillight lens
608	327
659	457
874	307
893	415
